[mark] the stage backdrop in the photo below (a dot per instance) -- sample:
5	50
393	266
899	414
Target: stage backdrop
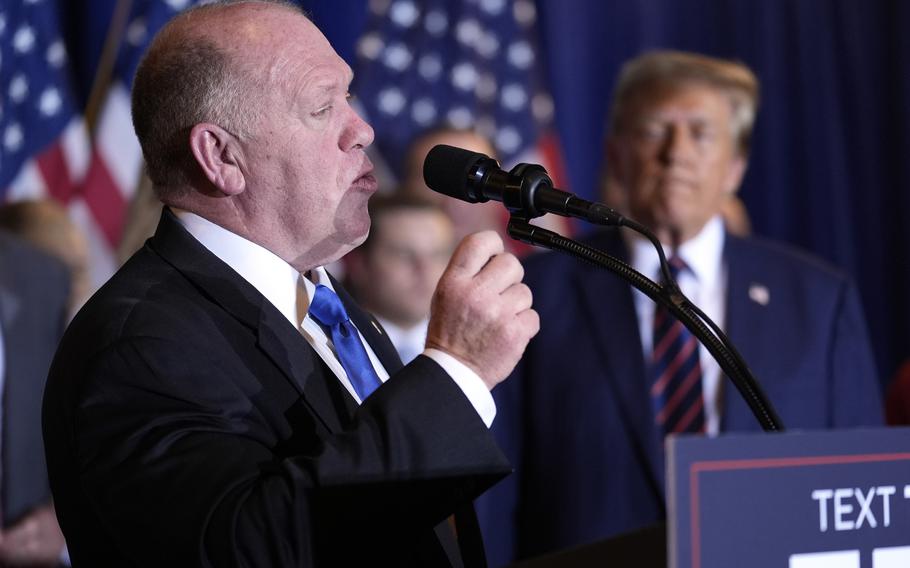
830	170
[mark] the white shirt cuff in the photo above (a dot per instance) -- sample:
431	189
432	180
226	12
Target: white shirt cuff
469	382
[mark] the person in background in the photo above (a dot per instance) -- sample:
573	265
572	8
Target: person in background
736	217
34	308
584	417
47	225
222	401
394	272
466	217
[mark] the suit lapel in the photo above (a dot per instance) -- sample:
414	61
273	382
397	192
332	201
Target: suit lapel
276	337
371	330
748	298
284	345
621	356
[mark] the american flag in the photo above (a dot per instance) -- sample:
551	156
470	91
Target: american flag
115	169
43	144
469	65
45	151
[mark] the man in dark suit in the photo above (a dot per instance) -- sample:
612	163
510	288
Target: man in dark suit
34	295
221	401
584	418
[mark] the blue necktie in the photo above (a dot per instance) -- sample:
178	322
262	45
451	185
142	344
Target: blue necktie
327	309
676	392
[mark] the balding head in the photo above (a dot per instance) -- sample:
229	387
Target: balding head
243	112
201	67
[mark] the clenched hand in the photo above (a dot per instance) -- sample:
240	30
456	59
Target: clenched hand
481	312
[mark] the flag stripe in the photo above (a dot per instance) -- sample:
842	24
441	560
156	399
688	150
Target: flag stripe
105	200
53	168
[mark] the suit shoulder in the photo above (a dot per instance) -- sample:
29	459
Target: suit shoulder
35	269
786	260
146	297
28	258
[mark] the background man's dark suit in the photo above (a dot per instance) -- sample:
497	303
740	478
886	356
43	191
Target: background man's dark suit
34	291
184	370
575	418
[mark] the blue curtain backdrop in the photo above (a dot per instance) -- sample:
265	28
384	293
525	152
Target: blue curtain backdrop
830	170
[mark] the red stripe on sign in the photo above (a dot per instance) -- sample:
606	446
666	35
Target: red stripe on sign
696	469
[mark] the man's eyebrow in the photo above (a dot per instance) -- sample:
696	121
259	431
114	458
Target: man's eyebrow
326	85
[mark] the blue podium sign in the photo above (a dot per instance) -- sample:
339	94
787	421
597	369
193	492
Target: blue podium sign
797	500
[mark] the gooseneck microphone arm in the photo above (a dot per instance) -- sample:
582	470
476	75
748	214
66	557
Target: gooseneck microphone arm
673	299
527	192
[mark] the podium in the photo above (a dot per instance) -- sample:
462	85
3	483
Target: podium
837	499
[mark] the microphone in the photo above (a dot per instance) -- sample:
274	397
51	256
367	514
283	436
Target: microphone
526	189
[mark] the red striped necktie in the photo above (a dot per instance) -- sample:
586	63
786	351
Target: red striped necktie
676	393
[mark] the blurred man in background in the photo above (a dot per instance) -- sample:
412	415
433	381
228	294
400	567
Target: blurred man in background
47	225
466	217
34	307
610	375
394	273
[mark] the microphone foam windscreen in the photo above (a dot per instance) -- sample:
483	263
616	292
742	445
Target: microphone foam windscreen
446	170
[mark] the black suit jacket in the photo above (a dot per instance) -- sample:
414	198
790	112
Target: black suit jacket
34	291
188	423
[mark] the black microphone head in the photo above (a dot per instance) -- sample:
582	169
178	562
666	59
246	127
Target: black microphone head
447	170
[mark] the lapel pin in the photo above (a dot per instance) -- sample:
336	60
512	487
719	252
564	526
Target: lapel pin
759	294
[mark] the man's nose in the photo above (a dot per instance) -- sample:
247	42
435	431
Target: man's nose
358	133
678	144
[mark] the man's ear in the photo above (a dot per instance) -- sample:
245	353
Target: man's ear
735	174
219	156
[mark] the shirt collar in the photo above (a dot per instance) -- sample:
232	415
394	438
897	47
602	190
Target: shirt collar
703	253
273	277
414	333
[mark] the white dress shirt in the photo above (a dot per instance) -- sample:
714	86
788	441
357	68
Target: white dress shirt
409	341
705	284
290	293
